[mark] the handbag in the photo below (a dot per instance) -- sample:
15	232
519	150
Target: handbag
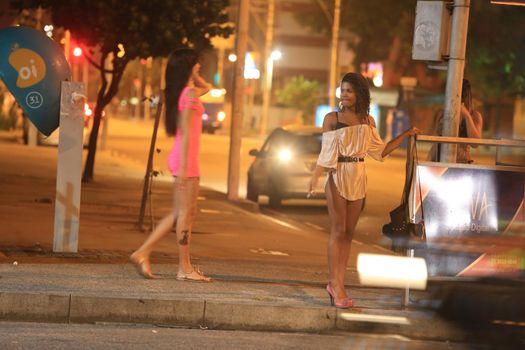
404	233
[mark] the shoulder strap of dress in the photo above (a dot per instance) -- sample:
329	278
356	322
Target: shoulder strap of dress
336	116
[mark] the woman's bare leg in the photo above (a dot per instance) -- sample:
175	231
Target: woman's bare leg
353	209
337	211
140	258
187	208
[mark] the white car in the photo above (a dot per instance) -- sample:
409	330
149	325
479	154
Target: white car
283	167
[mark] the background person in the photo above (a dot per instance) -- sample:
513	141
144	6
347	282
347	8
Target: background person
184	85
470	125
348	137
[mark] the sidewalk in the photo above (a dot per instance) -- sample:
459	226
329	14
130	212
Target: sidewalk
252	291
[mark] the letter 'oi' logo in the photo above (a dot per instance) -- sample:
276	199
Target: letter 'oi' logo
30	66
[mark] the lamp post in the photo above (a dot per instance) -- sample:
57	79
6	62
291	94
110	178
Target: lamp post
274	56
234	158
334	53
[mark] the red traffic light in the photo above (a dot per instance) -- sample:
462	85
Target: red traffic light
77	52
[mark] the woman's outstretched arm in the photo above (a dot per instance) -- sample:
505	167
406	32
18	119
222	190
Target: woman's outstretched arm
395	143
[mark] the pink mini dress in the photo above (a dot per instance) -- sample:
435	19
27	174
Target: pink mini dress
195	130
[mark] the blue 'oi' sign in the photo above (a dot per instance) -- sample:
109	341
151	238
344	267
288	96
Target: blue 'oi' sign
32	67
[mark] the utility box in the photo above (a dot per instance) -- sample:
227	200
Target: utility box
431	31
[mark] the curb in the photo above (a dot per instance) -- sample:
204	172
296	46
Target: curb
70	308
246	205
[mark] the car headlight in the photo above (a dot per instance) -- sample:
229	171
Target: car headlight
285	155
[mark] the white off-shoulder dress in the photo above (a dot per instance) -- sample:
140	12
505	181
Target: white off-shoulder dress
350	141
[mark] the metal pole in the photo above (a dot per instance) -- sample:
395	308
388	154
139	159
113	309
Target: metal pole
147	89
149	166
406	300
456	65
85	77
234	160
333	54
268	69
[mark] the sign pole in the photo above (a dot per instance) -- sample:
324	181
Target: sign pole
456	65
69	168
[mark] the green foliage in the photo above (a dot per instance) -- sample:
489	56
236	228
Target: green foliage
302	94
144	28
495	48
375	22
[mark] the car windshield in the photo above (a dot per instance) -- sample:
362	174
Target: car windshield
307	144
300	143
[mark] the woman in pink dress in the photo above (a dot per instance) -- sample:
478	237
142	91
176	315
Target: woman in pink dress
349	136
184	111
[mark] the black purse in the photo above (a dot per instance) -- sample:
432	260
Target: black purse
404	233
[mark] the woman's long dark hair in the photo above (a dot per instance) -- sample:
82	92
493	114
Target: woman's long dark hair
362	92
178	71
466	95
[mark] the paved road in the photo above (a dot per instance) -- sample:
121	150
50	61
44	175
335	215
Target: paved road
385	180
22	336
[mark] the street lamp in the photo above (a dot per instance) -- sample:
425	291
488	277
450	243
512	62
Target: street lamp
274	56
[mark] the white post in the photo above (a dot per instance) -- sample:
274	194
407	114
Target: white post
406	299
69	168
456	65
334	53
268	72
234	160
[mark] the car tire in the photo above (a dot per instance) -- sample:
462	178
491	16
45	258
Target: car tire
252	194
275	198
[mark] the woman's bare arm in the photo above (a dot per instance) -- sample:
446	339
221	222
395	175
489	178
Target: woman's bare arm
186	121
474	122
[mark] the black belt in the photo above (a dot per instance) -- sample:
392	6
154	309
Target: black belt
345	159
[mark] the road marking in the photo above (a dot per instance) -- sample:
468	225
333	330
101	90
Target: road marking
314	226
375	318
213	211
268	252
509	323
280	222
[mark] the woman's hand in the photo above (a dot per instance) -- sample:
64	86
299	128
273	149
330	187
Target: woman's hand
312	186
412	131
395	143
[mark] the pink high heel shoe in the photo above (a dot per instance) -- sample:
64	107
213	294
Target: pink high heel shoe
344	303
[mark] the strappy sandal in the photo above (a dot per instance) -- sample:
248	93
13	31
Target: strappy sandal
195	275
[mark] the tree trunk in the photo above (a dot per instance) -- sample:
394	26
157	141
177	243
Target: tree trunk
104	96
390	74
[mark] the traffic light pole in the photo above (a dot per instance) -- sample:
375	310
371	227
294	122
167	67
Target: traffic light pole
456	66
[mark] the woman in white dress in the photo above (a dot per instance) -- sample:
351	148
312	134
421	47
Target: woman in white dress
349	136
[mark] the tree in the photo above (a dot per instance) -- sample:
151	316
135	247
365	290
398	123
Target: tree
496	52
302	94
384	31
125	30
